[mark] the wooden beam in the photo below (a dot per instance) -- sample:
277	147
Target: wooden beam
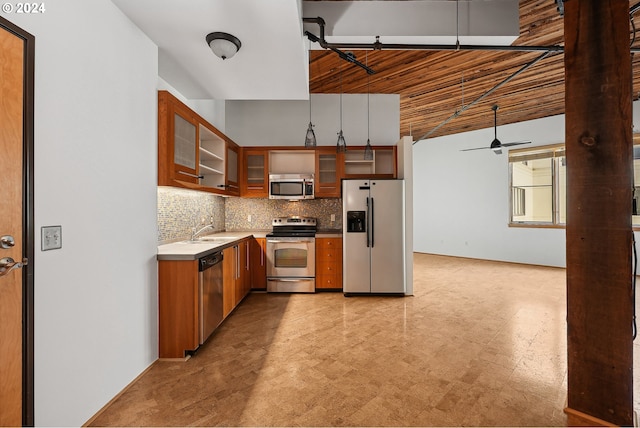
599	191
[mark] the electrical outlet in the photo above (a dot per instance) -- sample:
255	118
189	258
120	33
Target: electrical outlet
333	217
51	237
249	218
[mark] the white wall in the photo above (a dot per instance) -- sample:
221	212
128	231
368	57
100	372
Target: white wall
213	111
284	123
95	174
461	199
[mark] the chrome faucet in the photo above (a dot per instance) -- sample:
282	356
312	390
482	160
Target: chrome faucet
195	232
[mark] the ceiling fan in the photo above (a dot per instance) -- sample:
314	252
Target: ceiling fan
496	145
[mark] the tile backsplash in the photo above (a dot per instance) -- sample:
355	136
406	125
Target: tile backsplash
180	210
262	211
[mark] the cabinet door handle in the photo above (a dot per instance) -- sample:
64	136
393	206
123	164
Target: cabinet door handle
191	175
248	248
237	251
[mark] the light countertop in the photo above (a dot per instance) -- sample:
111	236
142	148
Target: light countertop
188	250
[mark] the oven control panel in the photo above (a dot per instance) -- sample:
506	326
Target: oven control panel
293	221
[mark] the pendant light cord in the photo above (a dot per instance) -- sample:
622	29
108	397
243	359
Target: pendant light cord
366	61
457	26
340	97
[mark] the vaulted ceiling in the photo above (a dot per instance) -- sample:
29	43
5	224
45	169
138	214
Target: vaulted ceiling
434	85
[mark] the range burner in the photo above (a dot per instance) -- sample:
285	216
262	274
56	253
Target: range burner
293	227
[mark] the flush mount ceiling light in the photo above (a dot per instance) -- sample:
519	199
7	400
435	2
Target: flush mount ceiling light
224	45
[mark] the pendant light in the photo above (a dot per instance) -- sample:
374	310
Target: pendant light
310	139
341	145
368	150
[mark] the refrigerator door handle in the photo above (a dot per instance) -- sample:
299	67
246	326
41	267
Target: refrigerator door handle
367	223
372	223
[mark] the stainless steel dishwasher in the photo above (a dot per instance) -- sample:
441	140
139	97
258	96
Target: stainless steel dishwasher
210	294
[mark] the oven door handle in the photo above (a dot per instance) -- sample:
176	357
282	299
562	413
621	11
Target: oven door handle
290	242
289	280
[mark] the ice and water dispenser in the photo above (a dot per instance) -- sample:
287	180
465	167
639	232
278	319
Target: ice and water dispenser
356	221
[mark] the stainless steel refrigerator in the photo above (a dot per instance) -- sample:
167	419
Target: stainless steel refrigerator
373	236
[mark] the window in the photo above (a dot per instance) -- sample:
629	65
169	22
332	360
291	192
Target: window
538	186
519	198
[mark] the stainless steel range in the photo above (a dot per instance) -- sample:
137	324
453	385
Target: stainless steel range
291	255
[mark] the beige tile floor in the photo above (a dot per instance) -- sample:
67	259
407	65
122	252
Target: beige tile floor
480	344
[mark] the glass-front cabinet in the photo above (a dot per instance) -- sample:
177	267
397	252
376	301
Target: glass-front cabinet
185	140
177	142
192	153
255	181
232	183
328	172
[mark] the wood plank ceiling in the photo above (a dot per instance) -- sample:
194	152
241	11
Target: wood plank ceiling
433	85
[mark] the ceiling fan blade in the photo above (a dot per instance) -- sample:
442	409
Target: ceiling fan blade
516	143
475	148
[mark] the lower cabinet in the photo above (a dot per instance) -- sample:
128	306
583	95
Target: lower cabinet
229	278
258	260
178	305
178	310
235	271
328	264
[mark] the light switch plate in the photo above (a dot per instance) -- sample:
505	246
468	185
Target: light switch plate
51	237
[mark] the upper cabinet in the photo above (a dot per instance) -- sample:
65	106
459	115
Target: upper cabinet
232	183
328	166
255	172
177	142
192	153
382	165
328	172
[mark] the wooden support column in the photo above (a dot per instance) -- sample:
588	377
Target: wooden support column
599	191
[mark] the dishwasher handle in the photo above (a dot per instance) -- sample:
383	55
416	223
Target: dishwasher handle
209	261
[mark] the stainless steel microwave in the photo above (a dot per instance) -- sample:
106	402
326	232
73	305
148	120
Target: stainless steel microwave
291	186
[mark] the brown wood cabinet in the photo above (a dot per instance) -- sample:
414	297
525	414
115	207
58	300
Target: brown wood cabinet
236	275
244	277
177	142
383	164
328	172
232	174
192	153
178	307
255	173
329	264
178	290
229	278
258	260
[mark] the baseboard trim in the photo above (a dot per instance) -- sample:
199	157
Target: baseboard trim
118	395
587	419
